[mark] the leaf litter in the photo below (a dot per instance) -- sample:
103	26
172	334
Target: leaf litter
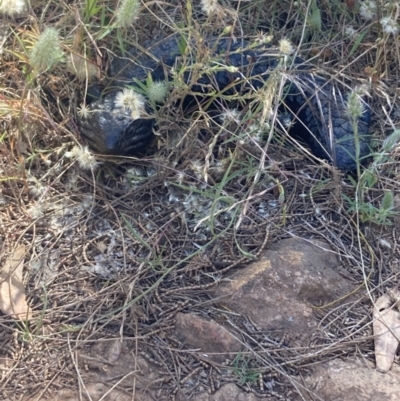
12	290
386	326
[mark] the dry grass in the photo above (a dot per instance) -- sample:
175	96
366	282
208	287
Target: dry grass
112	251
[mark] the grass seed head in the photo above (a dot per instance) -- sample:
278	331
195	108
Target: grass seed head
46	52
127	13
390	143
355	104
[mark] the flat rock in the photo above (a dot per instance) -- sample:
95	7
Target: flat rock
230	392
351	379
101	366
279	290
210	337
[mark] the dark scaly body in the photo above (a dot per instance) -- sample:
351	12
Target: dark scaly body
320	107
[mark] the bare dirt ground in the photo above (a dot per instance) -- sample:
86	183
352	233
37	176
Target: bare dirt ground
178	276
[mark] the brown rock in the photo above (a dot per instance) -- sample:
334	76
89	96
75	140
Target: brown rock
212	339
279	290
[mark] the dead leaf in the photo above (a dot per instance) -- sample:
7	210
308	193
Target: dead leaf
350	3
324	54
386	328
372	73
12	291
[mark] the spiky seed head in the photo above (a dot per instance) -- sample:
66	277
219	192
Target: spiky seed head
157	91
221	166
210	6
83	111
12	7
87	201
198	168
389	25
130	100
263	38
46	52
180	176
350	31
285	47
36	211
230	116
83	156
127	13
368	9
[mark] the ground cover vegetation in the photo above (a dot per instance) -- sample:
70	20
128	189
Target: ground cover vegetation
116	245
